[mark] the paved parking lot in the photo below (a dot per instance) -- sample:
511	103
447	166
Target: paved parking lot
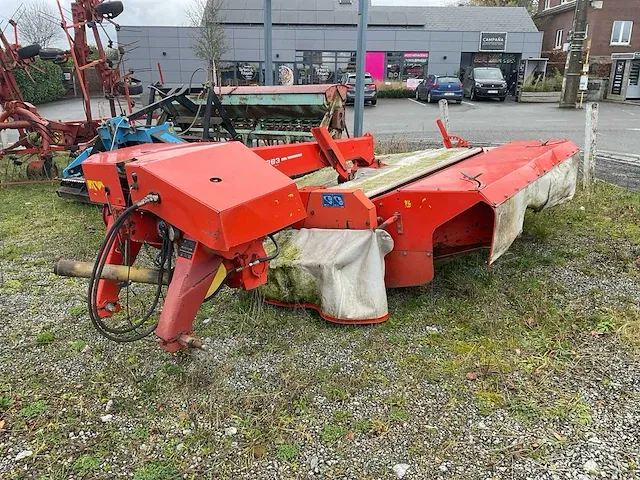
485	121
490	121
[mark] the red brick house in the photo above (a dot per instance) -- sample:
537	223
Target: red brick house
610	34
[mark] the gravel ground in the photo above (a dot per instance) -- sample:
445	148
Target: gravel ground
523	372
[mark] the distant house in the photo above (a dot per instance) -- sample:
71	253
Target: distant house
610	34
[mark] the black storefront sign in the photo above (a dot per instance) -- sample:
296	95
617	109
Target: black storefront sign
618	77
493	41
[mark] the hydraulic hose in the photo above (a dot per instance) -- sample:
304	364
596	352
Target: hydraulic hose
110	238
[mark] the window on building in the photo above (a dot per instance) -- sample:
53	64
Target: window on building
559	36
394	66
314	67
547	4
621	33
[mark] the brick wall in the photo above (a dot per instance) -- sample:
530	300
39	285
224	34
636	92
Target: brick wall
600	25
550	24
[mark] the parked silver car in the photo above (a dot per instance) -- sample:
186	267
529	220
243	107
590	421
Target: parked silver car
370	91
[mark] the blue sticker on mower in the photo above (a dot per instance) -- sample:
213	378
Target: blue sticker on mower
333	200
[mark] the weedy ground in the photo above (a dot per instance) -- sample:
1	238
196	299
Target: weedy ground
529	370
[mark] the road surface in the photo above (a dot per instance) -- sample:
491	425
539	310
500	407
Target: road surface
496	122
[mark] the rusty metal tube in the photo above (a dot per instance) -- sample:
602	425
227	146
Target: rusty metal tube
73	268
15	125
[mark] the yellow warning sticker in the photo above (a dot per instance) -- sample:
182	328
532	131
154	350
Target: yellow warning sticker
95	185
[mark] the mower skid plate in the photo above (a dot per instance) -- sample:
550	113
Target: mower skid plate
512	178
477	203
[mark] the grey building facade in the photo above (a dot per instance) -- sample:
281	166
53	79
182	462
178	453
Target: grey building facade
314	41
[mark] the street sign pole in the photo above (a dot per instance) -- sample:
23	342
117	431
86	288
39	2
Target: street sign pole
268	50
363	7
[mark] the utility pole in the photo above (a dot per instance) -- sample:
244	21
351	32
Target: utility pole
573	69
268	50
363	7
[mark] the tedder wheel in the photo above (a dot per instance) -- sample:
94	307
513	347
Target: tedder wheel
37	170
29	51
110	9
134	88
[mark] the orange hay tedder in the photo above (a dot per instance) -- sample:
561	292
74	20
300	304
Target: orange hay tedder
40	136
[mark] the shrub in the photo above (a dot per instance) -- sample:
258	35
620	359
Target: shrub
549	84
600	70
46	85
394	90
400	93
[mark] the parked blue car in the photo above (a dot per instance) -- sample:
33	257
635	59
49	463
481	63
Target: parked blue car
437	87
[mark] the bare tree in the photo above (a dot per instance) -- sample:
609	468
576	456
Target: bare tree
38	24
208	39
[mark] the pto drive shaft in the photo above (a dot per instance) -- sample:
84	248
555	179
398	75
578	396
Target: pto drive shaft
72	268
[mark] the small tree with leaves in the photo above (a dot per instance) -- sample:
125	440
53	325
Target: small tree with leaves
38	24
208	38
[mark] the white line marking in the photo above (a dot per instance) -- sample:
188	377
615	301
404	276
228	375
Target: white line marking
549	121
416	101
630	113
469	103
634	129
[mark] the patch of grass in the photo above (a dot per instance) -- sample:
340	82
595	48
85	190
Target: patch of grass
524	408
341	416
77	311
78	345
332	433
287	452
11	286
5	403
156	471
488	400
392	145
172	369
140	433
363	426
44	338
399	415
33	409
87	464
335	392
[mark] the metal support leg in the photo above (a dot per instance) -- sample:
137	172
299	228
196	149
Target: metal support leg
195	270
